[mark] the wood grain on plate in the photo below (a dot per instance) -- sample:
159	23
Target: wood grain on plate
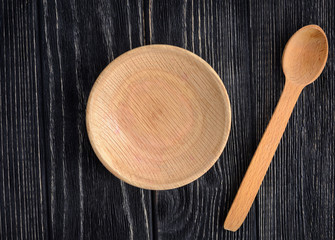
158	117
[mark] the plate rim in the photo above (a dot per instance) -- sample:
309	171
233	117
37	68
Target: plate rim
169	185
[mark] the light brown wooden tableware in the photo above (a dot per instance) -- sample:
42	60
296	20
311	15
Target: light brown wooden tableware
158	117
303	60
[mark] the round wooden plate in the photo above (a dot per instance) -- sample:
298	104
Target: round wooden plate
158	117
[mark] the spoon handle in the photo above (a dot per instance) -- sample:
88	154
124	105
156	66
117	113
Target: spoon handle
262	158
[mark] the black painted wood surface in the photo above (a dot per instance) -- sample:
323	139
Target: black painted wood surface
52	185
23	190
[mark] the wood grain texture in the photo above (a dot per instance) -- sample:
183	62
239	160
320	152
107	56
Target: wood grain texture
79	38
23	212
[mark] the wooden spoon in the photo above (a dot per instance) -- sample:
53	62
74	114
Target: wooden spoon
303	60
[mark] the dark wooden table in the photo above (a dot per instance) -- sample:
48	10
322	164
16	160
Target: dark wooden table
52	186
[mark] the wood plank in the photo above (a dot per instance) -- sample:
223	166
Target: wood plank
79	38
296	200
23	212
218	31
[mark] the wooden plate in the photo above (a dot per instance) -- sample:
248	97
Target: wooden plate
158	117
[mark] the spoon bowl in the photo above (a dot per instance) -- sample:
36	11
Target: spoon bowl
305	55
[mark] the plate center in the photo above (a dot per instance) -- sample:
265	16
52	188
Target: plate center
157	110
